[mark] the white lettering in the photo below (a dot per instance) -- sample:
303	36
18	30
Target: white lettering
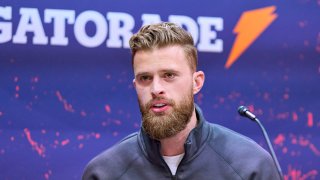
207	36
30	22
80	29
5	27
91	28
117	31
59	16
189	24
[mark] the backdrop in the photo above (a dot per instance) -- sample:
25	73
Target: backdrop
66	89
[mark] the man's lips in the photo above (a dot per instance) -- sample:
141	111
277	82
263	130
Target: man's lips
159	106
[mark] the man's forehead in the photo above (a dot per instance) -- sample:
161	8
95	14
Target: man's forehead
173	54
160	59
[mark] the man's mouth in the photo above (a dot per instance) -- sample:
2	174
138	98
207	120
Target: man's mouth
159	107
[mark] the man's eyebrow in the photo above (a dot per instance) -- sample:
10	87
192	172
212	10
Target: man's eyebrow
142	74
169	70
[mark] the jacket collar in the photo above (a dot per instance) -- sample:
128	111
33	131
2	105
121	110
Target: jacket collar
193	145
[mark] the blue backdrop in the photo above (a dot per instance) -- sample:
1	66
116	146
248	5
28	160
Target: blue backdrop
66	89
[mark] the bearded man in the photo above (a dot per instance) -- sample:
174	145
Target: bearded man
175	141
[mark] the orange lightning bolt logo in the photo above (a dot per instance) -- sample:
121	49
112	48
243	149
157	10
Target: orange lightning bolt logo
248	29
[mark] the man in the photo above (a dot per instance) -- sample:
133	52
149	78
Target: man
175	141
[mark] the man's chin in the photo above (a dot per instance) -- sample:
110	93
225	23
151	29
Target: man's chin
161	114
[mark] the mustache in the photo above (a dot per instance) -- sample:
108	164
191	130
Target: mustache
169	102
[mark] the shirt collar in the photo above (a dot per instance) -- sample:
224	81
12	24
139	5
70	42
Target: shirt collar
193	145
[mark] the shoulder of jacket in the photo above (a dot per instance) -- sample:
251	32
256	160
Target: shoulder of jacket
114	161
239	152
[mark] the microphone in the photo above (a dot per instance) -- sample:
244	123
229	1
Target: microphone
244	111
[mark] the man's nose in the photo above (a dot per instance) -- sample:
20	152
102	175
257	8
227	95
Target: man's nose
157	87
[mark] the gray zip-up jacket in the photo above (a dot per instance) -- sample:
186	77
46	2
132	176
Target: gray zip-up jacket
211	152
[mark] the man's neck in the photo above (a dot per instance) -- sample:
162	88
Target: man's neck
175	145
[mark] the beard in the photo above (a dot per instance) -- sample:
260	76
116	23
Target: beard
167	124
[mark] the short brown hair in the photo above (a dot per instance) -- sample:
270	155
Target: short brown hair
162	35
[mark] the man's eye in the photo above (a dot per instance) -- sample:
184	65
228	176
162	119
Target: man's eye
144	78
169	75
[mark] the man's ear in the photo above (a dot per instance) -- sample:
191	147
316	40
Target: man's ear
198	81
134	83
